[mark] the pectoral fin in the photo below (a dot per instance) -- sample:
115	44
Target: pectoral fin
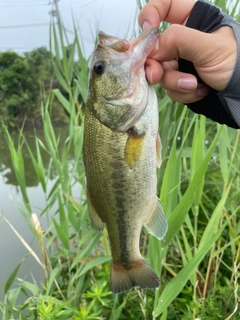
94	217
157	222
133	148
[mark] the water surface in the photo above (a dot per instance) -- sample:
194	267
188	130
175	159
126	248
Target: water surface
12	251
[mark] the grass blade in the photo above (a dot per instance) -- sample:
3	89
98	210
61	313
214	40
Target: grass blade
175	286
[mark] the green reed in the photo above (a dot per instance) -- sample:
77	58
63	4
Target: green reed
198	183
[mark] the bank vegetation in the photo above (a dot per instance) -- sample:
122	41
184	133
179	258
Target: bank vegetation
198	262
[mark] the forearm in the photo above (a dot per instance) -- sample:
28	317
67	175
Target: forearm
221	106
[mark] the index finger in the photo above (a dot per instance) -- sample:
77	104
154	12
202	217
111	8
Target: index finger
172	11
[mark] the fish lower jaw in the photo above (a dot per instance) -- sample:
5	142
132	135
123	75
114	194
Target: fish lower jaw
121	101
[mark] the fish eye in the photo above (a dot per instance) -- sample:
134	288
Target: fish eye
99	67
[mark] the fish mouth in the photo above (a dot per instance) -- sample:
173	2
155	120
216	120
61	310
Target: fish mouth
129	57
141	47
137	49
146	41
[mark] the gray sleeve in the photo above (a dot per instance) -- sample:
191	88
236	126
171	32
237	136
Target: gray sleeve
230	96
220	106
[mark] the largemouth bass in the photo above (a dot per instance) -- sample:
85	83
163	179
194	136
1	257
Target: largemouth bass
122	149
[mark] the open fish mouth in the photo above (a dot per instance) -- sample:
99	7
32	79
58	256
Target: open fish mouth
118	66
141	47
137	49
134	53
145	43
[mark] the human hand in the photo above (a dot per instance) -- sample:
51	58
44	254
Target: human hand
213	54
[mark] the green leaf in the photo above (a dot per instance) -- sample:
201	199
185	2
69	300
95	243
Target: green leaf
178	216
61	234
11	279
93	263
63	218
223	153
33	288
169	189
213	223
38	165
175	286
53	277
64	102
198	144
12	296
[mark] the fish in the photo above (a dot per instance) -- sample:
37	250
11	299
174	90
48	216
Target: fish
122	150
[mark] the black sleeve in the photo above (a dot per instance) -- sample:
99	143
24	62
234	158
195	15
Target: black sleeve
220	106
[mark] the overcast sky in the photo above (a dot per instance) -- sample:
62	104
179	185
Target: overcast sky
24	24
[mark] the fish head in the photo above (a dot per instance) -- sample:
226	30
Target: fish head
117	81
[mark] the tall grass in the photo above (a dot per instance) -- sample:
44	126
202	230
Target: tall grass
199	259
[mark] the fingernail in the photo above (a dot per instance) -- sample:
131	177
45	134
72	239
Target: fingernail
202	91
156	48
146	25
187	83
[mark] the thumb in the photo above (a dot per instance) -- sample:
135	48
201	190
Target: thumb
213	54
180	41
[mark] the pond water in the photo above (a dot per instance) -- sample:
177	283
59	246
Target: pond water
12	251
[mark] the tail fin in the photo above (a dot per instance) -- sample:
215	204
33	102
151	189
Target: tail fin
138	274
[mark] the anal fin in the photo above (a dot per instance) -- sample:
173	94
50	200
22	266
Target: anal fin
94	217
157	222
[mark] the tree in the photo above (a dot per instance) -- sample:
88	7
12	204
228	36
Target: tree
23	79
40	68
14	83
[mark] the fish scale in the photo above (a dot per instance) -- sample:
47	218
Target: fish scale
121	153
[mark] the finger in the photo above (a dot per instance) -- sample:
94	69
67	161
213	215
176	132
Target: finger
213	61
180	41
177	41
154	71
173	11
189	97
174	80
